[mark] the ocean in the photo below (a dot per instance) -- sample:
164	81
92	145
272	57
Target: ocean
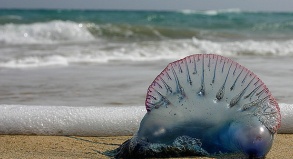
101	58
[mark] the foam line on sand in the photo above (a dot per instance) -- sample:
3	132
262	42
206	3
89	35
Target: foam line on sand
88	121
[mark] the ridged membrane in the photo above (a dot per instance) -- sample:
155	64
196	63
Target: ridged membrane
212	84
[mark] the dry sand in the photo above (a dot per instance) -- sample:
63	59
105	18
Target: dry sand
21	146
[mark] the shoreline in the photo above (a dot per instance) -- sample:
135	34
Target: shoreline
28	146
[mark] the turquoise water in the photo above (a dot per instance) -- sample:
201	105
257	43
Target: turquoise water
88	57
225	24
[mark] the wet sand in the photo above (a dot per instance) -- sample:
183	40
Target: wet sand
22	146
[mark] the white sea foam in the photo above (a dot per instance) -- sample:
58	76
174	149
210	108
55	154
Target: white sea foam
103	51
46	32
287	118
211	12
87	121
29	62
248	47
64	120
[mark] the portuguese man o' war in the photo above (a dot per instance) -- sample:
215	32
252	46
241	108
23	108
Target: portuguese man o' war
205	105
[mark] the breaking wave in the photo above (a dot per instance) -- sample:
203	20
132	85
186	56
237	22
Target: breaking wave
68	31
49	32
104	52
58	31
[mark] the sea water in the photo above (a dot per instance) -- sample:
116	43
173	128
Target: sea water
66	61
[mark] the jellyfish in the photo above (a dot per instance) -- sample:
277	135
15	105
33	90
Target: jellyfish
205	105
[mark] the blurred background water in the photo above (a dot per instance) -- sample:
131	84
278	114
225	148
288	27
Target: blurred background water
109	58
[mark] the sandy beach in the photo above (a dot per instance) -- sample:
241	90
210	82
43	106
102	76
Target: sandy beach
22	146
